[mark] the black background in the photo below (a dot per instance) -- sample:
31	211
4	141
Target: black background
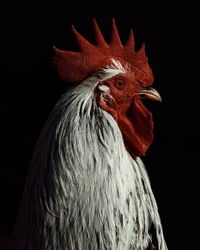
30	88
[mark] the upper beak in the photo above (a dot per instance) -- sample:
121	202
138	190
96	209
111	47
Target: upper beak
151	94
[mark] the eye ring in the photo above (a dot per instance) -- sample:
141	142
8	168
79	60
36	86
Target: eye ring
119	84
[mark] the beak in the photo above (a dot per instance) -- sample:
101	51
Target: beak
151	94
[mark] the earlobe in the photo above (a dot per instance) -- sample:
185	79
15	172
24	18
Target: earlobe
108	103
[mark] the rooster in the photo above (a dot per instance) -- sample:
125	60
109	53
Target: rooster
87	188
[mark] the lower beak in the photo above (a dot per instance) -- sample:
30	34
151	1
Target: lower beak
151	94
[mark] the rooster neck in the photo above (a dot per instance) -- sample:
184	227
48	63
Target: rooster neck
102	186
84	191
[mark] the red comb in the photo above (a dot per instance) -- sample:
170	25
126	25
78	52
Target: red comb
77	66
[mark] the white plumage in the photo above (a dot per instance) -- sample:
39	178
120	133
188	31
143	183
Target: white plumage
84	191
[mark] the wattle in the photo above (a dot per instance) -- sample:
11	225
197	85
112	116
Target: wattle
136	125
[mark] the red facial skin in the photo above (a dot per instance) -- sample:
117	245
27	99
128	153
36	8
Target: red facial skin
124	103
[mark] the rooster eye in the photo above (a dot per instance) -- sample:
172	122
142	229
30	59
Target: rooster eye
120	84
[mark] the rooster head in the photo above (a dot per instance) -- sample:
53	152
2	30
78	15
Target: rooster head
121	95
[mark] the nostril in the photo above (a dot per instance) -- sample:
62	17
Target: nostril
143	84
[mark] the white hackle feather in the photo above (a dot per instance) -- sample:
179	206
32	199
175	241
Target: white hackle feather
84	191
